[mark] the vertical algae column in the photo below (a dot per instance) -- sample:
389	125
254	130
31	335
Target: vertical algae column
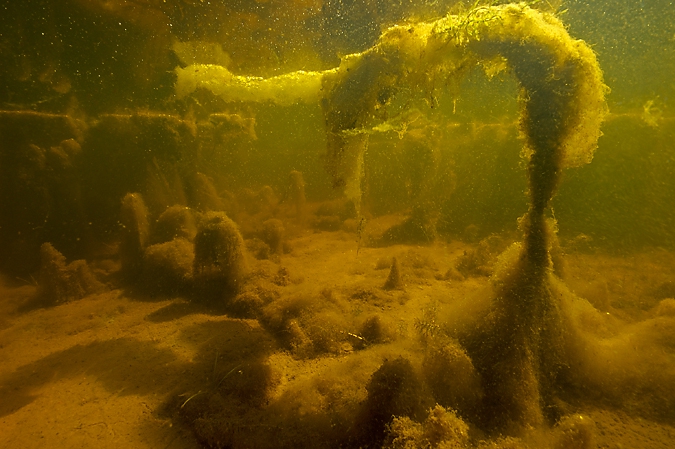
518	348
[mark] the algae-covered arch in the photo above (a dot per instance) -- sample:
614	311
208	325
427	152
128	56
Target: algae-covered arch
562	99
519	346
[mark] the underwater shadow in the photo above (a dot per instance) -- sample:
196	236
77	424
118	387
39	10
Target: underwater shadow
31	304
36	301
145	294
230	341
174	311
127	366
123	366
182	307
14	299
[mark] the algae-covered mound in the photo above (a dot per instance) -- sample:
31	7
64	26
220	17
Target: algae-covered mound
60	282
175	222
168	266
219	255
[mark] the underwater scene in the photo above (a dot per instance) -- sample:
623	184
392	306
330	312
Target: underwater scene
396	224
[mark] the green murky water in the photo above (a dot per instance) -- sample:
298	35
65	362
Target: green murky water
330	250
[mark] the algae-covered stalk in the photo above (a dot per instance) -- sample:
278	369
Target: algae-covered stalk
518	349
297	186
519	352
135	232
